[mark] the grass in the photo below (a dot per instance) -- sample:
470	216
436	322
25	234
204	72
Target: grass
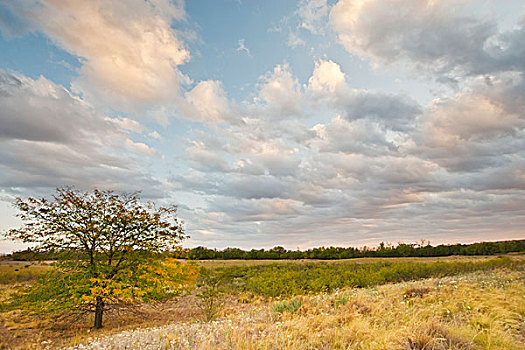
478	310
17	273
468	303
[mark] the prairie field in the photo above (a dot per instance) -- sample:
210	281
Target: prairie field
395	303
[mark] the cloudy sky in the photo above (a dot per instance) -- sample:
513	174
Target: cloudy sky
273	122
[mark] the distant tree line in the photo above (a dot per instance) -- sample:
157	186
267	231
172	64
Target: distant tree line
423	249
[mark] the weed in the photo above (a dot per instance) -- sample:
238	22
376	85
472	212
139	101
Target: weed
291	306
210	295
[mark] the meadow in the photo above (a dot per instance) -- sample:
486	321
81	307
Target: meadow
370	303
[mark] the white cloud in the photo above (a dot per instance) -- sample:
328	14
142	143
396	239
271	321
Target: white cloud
128	50
327	76
208	102
281	92
372	161
155	135
141	147
303	155
242	47
294	40
312	15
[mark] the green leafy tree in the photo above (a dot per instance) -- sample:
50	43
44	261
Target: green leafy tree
112	251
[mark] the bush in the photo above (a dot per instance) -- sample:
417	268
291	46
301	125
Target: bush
291	306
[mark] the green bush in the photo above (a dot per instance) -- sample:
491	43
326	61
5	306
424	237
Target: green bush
298	279
291	306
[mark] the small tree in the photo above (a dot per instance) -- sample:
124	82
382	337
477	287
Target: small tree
111	247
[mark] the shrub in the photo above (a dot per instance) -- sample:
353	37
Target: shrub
291	306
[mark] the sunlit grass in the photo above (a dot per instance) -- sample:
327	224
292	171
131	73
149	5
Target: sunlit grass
16	273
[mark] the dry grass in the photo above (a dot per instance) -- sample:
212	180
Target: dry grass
15	272
475	311
22	330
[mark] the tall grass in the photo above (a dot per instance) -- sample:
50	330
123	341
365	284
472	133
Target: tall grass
21	273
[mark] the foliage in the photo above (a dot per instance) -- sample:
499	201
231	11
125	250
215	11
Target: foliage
291	306
68	289
423	249
298	279
110	246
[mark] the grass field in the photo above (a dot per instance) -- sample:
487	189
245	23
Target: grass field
469	303
13	272
471	311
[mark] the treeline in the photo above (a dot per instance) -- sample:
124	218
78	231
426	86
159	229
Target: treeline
383	250
322	253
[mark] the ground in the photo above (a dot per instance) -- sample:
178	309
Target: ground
479	310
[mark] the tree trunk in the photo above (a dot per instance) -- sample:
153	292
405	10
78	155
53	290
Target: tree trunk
99	311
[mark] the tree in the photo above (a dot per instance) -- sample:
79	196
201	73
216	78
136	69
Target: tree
111	247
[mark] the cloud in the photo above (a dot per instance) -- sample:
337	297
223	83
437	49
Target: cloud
294	40
51	138
359	137
395	112
310	18
327	76
280	91
312	15
374	165
129	51
208	102
141	147
264	209
438	36
205	158
476	128
444	38
242	47
12	26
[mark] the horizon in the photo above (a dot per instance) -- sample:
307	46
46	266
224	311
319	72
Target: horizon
298	124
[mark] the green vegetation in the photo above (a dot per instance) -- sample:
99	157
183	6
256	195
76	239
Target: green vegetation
274	280
423	249
291	306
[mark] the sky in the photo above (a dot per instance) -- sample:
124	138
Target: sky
299	124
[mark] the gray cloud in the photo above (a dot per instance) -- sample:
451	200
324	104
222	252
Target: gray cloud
443	38
50	138
395	112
